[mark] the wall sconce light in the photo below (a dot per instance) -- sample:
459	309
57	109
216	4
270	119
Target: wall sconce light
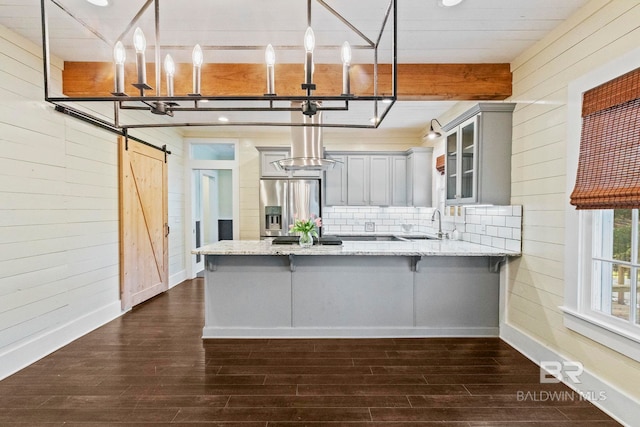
433	134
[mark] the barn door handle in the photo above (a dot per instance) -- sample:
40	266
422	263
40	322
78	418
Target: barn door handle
167	229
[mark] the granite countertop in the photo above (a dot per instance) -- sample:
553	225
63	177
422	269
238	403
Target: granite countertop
373	248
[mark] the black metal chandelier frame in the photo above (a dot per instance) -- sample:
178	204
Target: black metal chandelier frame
167	105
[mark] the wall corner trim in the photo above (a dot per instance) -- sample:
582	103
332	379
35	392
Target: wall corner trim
176	279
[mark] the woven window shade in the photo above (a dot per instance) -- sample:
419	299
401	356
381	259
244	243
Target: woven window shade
609	163
440	164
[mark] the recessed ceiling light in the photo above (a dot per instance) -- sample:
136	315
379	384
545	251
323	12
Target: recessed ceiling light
373	120
449	3
102	3
223	119
386	101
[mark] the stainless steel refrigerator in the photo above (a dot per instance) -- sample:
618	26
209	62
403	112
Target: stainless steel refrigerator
284	200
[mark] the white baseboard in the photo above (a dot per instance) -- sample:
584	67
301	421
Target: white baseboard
177	278
344	332
620	406
24	354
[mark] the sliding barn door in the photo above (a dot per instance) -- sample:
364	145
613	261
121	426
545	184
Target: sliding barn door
143	223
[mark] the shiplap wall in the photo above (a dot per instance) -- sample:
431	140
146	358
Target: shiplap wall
59	261
598	33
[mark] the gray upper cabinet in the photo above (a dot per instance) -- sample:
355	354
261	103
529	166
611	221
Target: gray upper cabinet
478	155
268	155
358	180
419	176
335	181
399	180
267	169
379	179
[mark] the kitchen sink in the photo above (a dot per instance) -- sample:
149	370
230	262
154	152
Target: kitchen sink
371	238
386	238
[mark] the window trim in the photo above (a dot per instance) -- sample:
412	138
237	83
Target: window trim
578	315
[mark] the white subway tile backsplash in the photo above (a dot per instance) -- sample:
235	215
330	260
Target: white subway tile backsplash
505	232
514	222
516	233
497	226
513	245
500	211
492	231
498	242
499	220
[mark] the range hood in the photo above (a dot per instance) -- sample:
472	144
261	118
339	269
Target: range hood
307	152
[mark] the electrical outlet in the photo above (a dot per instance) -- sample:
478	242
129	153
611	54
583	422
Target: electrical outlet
370	226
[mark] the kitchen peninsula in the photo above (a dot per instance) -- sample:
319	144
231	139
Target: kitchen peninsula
360	289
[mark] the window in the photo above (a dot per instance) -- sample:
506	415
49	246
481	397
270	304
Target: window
602	254
213	151
614	263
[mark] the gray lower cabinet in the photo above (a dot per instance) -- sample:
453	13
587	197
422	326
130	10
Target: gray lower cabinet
350	296
478	155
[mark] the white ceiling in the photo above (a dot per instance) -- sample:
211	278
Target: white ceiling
476	31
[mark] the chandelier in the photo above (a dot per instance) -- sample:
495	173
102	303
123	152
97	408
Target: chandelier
221	62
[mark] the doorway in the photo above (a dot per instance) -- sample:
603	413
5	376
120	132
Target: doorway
214	196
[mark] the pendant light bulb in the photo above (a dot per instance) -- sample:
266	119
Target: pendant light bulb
101	3
197	57
139	42
346	53
119	53
169	66
450	3
309	40
270	56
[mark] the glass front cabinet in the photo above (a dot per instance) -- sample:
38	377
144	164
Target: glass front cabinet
478	156
460	166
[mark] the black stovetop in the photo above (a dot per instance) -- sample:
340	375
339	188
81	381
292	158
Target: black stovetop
292	240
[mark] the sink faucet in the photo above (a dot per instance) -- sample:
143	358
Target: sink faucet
440	234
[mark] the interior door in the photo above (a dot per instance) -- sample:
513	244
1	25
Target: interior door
143	223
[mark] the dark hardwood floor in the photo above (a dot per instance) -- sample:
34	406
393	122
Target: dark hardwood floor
150	367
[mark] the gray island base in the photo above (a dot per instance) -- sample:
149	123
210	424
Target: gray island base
370	291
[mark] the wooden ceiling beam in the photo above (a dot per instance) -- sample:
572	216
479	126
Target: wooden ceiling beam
427	82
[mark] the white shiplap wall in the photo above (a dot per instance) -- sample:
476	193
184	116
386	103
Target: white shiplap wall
599	32
59	261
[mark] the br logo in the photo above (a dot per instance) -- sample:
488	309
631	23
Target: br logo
552	371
